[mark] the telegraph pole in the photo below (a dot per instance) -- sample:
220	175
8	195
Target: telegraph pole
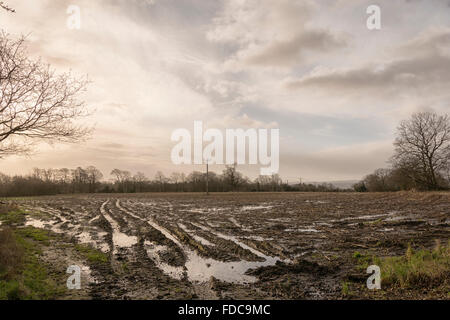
207	178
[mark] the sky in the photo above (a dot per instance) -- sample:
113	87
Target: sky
312	69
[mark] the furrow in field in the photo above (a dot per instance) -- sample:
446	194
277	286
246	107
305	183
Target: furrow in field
120	240
200	269
235	240
197	238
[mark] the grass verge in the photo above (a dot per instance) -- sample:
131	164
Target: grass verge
416	269
12	215
22	275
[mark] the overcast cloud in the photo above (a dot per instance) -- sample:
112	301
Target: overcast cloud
335	89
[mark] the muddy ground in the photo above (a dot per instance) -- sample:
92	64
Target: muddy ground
237	246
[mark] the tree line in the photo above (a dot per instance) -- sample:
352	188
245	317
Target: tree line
89	180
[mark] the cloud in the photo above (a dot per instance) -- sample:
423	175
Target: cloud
404	73
270	33
427	62
410	75
287	53
433	41
309	68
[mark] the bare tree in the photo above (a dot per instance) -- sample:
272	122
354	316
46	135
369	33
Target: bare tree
422	148
161	180
379	180
64	175
122	178
139	180
175	178
233	177
182	181
35	102
94	176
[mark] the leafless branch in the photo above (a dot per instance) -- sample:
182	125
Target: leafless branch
35	102
6	7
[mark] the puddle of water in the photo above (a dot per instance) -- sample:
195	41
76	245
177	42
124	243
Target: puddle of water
35	223
257	238
236	223
401	218
316	201
308	230
202	240
86	238
302	230
233	239
194	210
153	252
83	237
299	255
214	225
324	224
368	217
288	220
196	237
94	219
260	207
120	240
199	269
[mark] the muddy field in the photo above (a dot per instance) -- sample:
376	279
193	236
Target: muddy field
235	246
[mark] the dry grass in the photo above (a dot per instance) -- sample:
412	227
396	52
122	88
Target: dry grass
5	208
11	254
416	269
22	274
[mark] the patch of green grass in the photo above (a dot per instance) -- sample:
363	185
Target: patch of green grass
11	254
421	268
416	269
92	255
13	217
363	260
125	267
30	279
11	290
36	234
346	289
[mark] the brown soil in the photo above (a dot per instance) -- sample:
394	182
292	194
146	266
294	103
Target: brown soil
313	237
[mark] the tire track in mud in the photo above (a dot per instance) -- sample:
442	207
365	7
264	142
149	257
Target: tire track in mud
168	276
200	269
154	245
234	240
154	249
119	239
133	276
